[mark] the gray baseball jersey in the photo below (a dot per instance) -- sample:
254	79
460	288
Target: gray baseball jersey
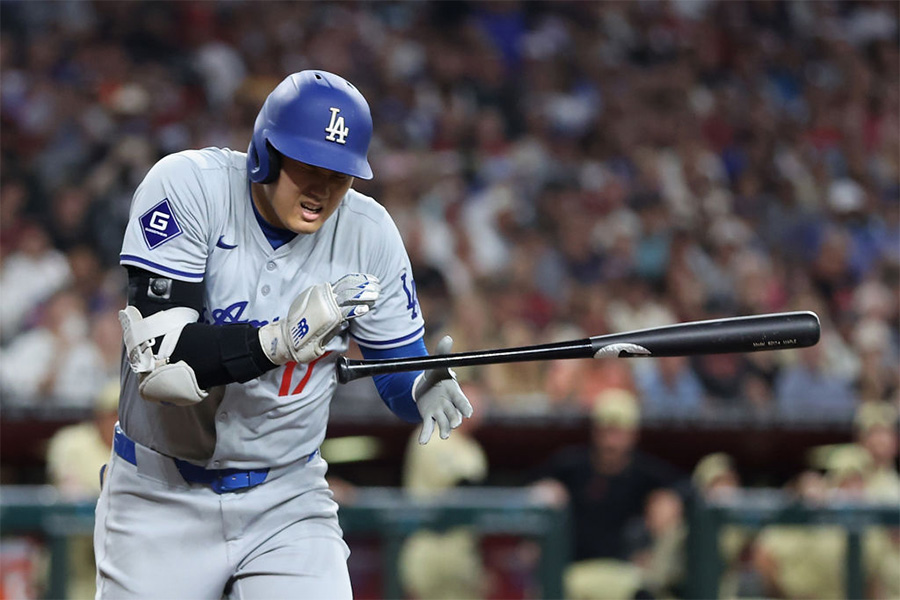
192	219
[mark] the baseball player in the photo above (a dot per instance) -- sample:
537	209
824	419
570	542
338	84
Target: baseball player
247	275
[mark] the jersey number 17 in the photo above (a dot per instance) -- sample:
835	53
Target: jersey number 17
288	377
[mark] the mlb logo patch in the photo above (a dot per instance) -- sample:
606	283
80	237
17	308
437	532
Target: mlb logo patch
159	224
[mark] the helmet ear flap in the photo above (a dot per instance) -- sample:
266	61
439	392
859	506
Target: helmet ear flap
263	169
274	163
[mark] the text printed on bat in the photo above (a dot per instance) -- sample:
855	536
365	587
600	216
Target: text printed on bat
614	350
789	342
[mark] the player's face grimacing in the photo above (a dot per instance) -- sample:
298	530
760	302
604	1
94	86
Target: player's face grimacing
303	196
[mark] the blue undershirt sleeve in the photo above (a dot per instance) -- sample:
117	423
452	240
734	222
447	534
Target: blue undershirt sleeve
395	389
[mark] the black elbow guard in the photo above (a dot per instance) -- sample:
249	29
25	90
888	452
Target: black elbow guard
221	354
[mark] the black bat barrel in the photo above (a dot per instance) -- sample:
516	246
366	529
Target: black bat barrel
718	336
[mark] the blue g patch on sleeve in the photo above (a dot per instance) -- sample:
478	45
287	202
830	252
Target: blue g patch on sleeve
159	224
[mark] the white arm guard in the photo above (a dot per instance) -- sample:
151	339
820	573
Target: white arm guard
160	381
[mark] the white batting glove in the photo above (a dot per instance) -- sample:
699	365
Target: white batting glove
316	316
439	398
356	294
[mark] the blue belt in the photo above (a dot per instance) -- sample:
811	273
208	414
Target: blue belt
221	481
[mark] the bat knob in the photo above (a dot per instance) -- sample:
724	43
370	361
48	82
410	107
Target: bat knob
342	366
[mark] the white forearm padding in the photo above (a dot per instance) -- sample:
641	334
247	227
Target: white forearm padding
158	380
173	384
139	334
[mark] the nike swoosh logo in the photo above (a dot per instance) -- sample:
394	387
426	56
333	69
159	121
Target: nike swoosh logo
223	245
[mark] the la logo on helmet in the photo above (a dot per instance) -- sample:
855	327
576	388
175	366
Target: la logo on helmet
336	129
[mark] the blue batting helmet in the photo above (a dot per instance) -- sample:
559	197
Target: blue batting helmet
317	118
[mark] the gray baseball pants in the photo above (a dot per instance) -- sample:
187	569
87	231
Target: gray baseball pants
158	537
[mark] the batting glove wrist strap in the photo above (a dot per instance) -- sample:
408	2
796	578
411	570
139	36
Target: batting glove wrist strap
439	398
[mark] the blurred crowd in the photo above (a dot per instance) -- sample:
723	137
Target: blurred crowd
631	515
558	170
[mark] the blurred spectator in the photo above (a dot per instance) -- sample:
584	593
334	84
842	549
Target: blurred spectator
831	269
517	386
659	544
635	307
759	287
885	582
879	367
846	470
56	363
75	455
433	296
808	562
808	386
28	276
876	431
103	356
68	223
76	452
13	200
669	388
727	380
716	479
851	469
607	486
851	208
444	565
802	562
100	289
471	323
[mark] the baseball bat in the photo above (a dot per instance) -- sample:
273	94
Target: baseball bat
776	331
